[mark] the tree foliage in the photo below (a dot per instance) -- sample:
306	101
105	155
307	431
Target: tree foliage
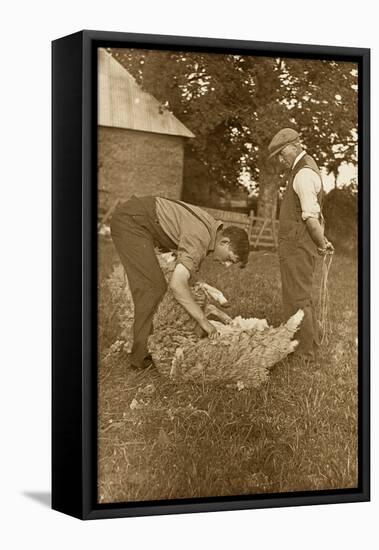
234	104
341	217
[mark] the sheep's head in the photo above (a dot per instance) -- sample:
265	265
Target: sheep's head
167	262
204	295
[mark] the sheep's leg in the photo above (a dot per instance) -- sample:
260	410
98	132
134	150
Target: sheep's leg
212	311
214	294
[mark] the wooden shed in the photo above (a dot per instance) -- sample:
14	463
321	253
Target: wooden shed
140	144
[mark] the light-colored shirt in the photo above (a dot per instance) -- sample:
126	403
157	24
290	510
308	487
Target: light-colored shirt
307	185
194	237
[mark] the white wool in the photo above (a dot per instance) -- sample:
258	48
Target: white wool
249	324
239	324
293	322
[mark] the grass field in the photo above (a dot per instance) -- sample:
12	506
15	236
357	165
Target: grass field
158	440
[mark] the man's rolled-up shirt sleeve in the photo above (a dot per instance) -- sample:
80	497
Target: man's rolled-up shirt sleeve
192	249
307	185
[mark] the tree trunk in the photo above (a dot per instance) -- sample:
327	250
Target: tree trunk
268	190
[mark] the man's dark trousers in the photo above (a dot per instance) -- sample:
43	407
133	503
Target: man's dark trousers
135	232
297	270
298	257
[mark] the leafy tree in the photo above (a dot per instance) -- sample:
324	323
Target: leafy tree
234	104
341	218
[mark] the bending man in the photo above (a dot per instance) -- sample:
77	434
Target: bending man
142	223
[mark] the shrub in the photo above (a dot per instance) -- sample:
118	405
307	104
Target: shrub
341	218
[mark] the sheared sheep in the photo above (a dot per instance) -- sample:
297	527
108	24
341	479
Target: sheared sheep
243	351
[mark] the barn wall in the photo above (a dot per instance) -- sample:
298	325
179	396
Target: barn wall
141	163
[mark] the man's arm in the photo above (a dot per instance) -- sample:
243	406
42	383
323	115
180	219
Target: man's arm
316	232
180	288
306	185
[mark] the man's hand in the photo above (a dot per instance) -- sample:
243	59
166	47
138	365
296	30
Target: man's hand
316	232
182	293
327	249
209	329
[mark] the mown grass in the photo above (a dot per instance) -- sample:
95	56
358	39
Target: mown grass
158	440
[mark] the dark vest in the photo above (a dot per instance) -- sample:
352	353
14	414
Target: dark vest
293	232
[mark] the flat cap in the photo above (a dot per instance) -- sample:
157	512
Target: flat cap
281	139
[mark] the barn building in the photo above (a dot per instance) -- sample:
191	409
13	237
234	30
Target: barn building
140	144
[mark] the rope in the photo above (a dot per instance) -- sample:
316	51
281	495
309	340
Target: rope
324	298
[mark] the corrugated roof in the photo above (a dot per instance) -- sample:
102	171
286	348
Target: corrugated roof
123	104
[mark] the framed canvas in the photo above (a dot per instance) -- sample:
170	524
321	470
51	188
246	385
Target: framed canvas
183	384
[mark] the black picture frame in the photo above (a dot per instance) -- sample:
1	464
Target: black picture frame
74	273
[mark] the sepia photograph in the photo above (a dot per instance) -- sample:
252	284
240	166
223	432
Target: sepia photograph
227	274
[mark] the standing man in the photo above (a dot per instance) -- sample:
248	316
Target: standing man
301	234
142	223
